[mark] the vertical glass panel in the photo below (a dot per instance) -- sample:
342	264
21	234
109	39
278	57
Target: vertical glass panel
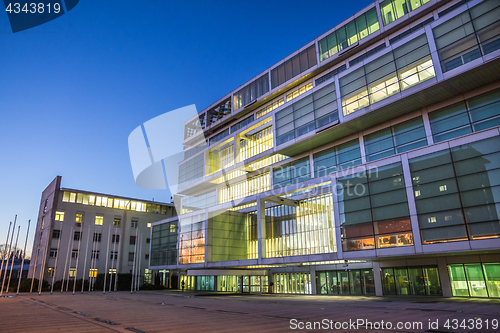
352	36
402	281
388	13
492	275
475	280
388	281
368	282
344	281
355	282
417	280
432	283
458	280
372	20
361	26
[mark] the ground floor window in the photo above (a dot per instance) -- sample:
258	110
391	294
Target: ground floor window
411	281
292	283
475	280
347	282
232	283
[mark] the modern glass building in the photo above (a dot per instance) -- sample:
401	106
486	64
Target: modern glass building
365	163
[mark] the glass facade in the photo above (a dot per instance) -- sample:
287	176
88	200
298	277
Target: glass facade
457	192
469	35
396	139
164	244
420	281
300	230
347	35
475	280
392	10
227	283
345	282
292	283
390	73
340	157
310	112
291	173
251	91
192	239
294	66
472	115
374	210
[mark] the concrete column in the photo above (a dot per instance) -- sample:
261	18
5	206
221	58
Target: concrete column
261	229
377	278
444	277
434	53
336	218
313	280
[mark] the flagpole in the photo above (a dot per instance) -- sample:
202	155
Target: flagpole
139	264
85	262
5	249
78	259
106	267
24	255
66	262
133	265
92	261
8	254
71	257
118	258
36	259
57	258
42	270
12	263
114	259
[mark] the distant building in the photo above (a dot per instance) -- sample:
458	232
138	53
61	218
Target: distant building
365	163
16	267
62	233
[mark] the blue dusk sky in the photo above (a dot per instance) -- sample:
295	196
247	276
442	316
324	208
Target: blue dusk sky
73	89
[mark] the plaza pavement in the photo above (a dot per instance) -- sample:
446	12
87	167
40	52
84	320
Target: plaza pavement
176	311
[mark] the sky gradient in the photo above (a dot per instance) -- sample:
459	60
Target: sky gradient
73	89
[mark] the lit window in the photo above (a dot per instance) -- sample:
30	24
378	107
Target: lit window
448	218
298	92
270	108
442	188
112	271
50	271
417	193
60	216
93	272
172	228
72	272
431	219
79	218
99	219
149	225
116	222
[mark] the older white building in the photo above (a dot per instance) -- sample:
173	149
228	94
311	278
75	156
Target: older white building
79	232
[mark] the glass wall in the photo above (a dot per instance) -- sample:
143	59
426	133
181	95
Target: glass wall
292	283
349	34
300	230
268	108
251	91
457	192
226	283
293	66
340	157
423	281
346	282
462	118
475	280
394	9
390	73
228	232
191	171
469	35
192	239
311	112
374	210
291	173
245	188
164	244
221	157
396	139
